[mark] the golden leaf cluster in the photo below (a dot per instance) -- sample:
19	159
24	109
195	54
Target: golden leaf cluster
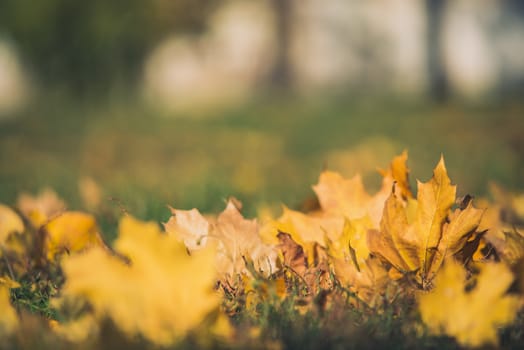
353	250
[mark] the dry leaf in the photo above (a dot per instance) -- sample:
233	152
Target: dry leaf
423	242
472	317
348	197
352	241
162	294
189	226
503	225
313	270
368	283
435	199
71	232
399	173
293	253
510	247
236	238
455	234
402	236
303	227
345	197
307	229
353	267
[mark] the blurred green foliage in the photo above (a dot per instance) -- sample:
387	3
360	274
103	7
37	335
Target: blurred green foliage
269	151
91	44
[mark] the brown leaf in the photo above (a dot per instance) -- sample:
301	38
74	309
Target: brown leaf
293	253
188	226
312	270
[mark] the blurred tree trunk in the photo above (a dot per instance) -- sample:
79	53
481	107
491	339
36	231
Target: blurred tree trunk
281	76
438	78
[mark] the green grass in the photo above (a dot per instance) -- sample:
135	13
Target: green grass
270	151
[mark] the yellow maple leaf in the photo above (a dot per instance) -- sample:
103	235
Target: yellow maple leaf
422	241
71	232
399	173
435	199
352	242
455	234
353	267
400	244
348	213
236	238
348	197
473	316
189	226
162	293
309	228
503	223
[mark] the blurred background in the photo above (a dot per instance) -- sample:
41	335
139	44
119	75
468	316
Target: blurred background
186	102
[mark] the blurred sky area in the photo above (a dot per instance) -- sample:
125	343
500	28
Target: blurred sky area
64	60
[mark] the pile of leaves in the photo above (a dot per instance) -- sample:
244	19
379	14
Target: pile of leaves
394	268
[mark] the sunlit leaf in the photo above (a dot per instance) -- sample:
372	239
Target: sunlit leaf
418	236
435	199
71	232
399	173
162	293
473	317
